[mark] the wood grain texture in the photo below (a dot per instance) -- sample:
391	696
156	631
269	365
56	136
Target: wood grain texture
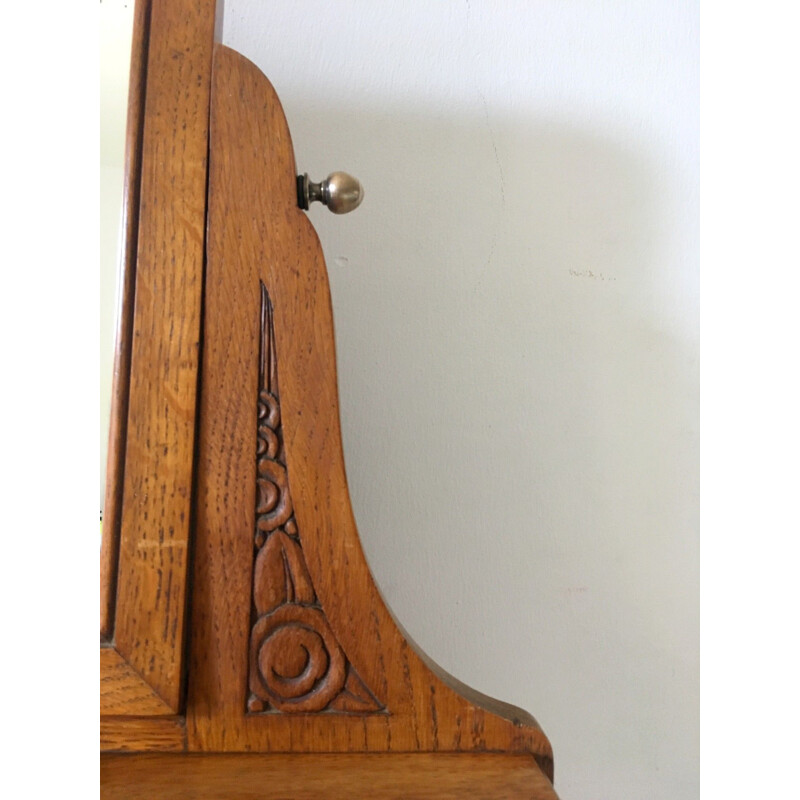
123	690
159	455
142	734
401	776
296	662
257	234
112	503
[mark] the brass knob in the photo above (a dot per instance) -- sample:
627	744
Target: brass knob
339	191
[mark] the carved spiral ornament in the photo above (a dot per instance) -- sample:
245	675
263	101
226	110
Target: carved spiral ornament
296	662
273	502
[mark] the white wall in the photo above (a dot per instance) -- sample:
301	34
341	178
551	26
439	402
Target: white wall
516	306
116	30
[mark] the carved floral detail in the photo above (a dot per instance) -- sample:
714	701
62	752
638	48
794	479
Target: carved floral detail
296	662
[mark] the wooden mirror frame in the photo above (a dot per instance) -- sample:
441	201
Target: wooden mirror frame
148	506
226	306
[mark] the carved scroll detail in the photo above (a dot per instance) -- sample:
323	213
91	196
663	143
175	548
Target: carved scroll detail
296	662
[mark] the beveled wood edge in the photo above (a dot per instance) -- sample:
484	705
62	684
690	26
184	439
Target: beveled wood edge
251	776
123	691
112	505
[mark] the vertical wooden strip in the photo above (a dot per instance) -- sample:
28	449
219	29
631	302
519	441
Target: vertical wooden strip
112	505
157	487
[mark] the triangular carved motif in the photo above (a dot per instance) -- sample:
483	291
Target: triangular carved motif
296	663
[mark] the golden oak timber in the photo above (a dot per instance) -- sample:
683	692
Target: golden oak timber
400	776
142	734
156	478
122	689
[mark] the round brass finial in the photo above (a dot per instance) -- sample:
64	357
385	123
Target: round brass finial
339	191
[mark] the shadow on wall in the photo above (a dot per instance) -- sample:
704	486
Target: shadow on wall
516	327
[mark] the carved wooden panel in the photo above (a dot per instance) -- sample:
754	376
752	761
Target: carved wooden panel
296	662
284	609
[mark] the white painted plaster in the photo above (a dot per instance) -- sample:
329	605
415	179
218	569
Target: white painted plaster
516	308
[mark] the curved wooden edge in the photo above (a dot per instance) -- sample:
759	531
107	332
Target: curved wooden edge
423	776
440	706
258	236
